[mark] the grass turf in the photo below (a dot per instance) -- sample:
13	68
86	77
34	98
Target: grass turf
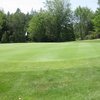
50	71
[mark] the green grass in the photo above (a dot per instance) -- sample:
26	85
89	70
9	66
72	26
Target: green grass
50	71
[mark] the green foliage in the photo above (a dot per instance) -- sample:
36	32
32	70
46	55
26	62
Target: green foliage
14	25
4	38
56	23
37	27
96	21
92	35
83	21
17	26
2	23
53	24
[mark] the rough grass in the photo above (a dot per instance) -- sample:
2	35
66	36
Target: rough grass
50	71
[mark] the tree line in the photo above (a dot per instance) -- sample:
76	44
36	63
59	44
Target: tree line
56	23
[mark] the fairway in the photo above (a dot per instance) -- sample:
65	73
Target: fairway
50	71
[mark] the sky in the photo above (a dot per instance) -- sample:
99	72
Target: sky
27	5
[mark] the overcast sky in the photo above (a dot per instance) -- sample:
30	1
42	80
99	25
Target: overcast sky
27	5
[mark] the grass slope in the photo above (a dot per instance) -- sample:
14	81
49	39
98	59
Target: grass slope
46	71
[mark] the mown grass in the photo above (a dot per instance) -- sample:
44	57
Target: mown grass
50	71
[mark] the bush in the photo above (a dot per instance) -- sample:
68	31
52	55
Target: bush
92	35
4	38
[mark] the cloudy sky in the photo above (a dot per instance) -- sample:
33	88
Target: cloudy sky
27	5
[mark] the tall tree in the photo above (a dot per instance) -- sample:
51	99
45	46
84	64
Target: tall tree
16	24
62	15
54	24
2	23
83	21
97	21
37	27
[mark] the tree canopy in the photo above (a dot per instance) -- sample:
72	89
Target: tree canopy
83	21
56	23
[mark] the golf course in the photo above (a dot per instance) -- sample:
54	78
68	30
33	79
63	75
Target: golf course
50	71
